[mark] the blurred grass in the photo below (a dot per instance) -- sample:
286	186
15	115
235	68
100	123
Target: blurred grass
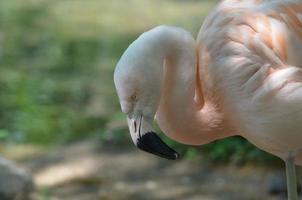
56	63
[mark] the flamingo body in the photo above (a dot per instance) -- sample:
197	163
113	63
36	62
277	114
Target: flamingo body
242	76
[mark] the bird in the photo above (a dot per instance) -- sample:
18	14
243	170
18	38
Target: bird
241	76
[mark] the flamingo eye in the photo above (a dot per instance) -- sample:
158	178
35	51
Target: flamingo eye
133	97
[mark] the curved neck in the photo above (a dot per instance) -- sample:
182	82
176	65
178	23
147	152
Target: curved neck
183	113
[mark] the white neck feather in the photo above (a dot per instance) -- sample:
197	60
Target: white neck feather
172	52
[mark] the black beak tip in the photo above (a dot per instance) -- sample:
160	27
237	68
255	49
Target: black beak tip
151	143
175	156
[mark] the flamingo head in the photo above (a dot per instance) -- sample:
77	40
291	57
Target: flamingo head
138	84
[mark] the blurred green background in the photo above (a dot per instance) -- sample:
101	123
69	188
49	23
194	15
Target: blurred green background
56	66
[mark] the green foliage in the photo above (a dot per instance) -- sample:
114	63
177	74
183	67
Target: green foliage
44	78
236	150
3	134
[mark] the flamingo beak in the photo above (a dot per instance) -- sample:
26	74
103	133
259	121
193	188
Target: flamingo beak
147	140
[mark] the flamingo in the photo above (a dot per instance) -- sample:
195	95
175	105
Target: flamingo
242	76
